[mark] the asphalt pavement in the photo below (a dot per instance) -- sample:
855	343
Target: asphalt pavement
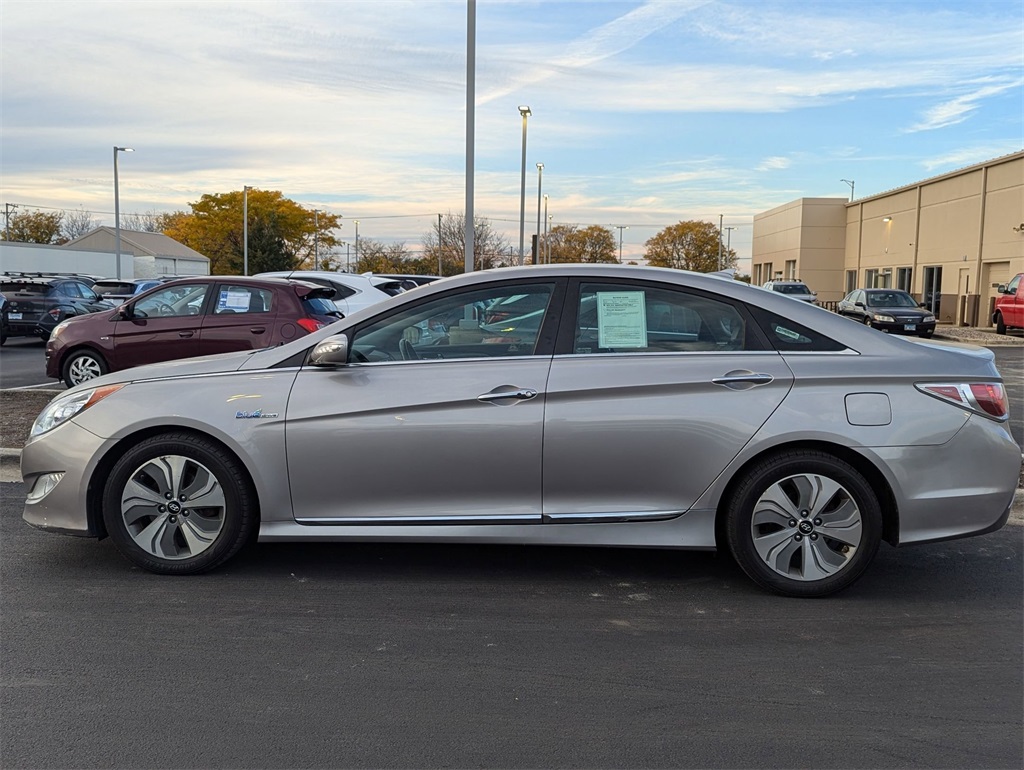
392	655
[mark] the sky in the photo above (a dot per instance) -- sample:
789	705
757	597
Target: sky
643	113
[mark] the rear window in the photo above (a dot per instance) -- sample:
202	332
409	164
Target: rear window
20	287
791	288
113	287
319	306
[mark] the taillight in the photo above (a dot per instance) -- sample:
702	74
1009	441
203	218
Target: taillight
987	398
310	324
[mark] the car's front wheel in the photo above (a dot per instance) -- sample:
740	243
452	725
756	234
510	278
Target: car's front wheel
178	504
83	365
803	523
1000	324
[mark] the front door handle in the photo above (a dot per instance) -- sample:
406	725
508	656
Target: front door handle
522	394
186	335
258	329
742	380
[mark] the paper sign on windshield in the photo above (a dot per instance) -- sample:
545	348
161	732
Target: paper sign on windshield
621	319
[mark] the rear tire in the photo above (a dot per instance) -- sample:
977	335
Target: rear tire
803	523
178	504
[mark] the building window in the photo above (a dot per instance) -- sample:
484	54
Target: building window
790	269
870	277
851	280
903	276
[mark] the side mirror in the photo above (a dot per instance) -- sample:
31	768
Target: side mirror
858	304
124	312
332	351
1001	288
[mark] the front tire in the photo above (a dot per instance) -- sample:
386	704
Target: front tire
803	523
83	365
1000	324
178	504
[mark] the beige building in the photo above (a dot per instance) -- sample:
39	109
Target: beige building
949	240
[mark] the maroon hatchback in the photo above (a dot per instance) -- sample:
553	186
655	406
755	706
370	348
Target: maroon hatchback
188	317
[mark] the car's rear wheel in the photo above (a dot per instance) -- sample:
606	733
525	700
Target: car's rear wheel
1000	324
803	523
178	504
83	365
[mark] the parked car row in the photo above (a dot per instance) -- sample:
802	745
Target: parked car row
636	407
34	303
890	310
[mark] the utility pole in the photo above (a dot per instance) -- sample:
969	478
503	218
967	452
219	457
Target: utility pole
849	182
720	218
440	248
620	228
316	240
7	220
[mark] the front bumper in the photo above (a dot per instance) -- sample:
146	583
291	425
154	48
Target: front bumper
904	327
75	453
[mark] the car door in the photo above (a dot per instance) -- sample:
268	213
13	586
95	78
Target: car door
239	317
653	390
161	325
437	418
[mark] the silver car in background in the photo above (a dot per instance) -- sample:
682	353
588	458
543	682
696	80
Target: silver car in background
561	405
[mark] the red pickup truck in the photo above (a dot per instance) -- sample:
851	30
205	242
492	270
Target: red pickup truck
1009	310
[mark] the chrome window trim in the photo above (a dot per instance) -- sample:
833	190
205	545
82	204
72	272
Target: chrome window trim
664	353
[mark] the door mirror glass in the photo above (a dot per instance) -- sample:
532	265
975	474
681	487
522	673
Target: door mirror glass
332	351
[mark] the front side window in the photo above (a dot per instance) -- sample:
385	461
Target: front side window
171	302
493	322
624	318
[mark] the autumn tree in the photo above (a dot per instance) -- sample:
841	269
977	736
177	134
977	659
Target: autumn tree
569	243
284	232
691	245
34	227
444	247
377	257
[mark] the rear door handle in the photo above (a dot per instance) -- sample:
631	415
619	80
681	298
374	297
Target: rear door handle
258	329
522	394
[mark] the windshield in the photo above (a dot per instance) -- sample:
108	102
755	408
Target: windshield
890	299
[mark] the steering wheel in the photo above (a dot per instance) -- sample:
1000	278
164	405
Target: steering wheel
163	309
407	350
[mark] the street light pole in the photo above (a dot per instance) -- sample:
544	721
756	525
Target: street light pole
720	218
849	182
316	240
117	212
621	228
524	110
540	181
245	229
545	260
357	242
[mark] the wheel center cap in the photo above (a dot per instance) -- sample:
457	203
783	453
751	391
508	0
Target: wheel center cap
806	527
174	506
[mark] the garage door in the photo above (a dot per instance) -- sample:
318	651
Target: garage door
993	274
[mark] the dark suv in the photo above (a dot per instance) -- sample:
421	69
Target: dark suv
188	317
37	302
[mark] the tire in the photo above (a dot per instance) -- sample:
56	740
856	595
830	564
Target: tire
804	524
150	505
83	365
1000	324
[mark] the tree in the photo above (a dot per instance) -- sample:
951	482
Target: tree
375	257
142	223
34	227
691	245
75	224
592	244
287	233
444	247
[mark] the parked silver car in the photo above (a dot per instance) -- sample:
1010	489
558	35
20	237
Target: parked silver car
351	292
601	405
793	289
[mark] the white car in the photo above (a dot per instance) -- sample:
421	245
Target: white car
352	292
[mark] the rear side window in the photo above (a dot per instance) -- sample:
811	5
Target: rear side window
788	336
630	318
319	306
243	299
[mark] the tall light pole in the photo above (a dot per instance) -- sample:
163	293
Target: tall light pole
524	110
357	241
245	229
728	238
540	181
720	218
117	211
621	228
469	237
316	240
545	260
849	182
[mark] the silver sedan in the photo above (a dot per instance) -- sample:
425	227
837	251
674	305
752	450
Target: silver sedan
561	405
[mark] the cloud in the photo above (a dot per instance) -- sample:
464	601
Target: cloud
775	163
959	109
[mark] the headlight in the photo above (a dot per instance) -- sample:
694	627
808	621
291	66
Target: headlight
888	319
63	408
928	319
